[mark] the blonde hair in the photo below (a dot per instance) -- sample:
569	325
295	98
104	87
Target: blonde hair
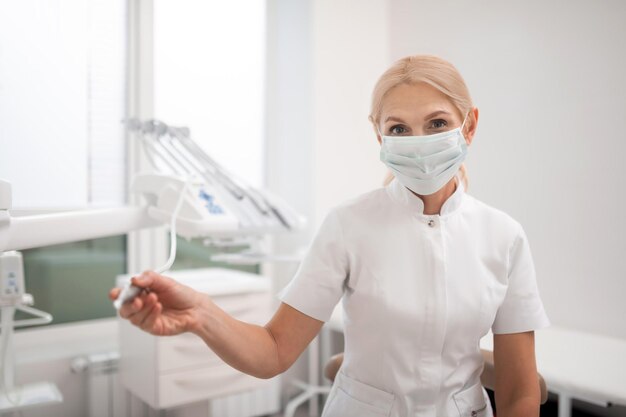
429	69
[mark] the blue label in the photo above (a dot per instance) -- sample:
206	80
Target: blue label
210	204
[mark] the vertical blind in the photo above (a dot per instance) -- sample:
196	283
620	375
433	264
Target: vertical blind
62	96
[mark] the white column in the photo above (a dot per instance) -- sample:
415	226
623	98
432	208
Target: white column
145	249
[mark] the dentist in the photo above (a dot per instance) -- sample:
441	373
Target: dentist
424	270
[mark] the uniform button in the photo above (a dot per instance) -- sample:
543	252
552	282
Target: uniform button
431	223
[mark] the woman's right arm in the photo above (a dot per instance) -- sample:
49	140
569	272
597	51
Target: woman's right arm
171	308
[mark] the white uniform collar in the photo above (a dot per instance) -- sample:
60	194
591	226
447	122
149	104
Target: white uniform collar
404	196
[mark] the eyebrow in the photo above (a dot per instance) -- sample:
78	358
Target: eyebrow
437	113
394	119
431	115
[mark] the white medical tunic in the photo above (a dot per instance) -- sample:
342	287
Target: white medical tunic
419	292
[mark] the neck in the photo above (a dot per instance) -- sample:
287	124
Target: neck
434	202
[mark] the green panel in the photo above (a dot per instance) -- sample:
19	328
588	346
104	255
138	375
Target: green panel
72	281
194	254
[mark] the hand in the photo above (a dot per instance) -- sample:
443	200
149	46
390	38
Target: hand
164	307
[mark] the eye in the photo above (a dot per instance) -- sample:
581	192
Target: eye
438	124
398	130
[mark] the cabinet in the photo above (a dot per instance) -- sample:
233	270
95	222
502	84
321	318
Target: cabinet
171	371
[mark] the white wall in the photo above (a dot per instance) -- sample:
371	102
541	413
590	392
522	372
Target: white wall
351	50
323	60
321	149
549	80
289	133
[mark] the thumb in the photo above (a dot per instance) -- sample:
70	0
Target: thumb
152	280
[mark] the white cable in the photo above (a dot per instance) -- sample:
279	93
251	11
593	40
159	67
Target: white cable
179	204
130	291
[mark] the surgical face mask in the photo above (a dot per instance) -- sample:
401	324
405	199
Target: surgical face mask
424	164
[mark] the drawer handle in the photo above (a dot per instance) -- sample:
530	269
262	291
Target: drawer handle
205	382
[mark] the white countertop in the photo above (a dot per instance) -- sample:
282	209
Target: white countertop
215	281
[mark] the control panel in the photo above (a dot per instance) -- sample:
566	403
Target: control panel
11	275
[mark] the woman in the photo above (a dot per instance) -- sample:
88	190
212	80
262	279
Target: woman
424	271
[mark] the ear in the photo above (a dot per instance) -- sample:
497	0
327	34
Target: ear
470	126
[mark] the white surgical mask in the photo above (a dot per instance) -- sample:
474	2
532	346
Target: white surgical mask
424	164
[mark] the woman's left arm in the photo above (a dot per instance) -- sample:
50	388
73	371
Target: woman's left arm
517	385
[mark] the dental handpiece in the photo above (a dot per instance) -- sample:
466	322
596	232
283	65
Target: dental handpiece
128	292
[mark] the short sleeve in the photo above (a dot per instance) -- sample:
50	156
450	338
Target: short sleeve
522	309
318	284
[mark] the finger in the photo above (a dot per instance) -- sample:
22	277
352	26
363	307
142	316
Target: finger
114	293
144	296
142	281
152	280
140	315
150	319
131	308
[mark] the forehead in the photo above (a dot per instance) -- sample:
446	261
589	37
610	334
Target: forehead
417	100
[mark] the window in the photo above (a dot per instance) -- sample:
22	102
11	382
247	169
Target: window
209	76
209	69
62	94
62	98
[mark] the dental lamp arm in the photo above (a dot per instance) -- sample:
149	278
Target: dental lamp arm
19	233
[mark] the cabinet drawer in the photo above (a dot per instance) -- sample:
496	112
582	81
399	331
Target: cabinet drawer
184	351
250	307
185	387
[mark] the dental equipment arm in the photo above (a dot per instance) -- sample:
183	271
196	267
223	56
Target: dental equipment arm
191	192
27	232
217	204
171	150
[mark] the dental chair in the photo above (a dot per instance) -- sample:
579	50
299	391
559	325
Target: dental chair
487	378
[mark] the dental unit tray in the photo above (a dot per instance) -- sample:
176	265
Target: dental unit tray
216	203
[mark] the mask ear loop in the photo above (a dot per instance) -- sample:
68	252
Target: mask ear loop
459	182
457	176
379	132
464	120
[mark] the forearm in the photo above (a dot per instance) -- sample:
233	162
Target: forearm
246	347
521	407
517	388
